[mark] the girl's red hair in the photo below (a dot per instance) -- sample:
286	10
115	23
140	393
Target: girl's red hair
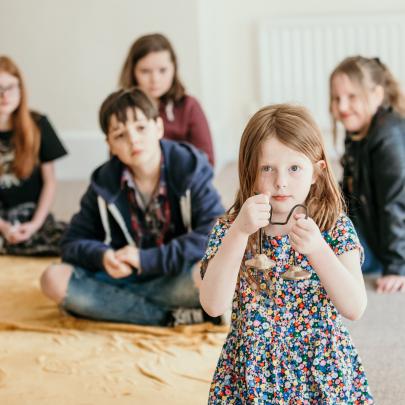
26	135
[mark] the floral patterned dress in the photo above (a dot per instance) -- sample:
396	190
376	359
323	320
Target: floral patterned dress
287	343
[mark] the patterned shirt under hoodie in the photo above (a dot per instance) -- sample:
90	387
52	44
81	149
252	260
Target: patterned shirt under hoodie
287	344
150	220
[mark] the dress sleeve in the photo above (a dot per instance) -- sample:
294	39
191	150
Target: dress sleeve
343	238
51	147
218	232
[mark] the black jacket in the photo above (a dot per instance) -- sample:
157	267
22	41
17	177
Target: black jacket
104	219
376	167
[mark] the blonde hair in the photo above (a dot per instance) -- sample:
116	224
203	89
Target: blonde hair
294	127
367	73
26	137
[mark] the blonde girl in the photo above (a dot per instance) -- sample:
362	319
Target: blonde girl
367	100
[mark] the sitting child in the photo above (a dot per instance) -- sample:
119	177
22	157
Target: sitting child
28	147
143	224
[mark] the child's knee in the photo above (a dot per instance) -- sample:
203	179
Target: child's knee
54	281
196	276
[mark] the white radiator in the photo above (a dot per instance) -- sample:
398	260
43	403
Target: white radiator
296	55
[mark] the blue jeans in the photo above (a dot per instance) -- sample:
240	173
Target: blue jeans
99	296
371	263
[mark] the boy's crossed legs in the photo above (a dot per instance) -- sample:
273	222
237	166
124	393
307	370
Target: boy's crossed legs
95	295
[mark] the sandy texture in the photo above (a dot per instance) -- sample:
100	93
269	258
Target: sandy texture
50	358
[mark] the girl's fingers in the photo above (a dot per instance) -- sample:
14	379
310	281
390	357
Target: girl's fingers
16	237
299	231
299	216
384	285
396	286
389	287
264	207
379	284
304	223
296	239
261	198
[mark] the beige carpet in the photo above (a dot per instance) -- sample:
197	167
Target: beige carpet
380	338
49	358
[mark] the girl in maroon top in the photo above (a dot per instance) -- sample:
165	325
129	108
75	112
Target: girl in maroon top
151	64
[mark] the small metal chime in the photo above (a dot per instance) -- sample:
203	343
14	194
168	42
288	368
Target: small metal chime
259	262
295	272
262	263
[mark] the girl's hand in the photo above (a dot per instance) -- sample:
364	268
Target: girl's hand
6	229
130	256
254	214
115	267
305	236
390	284
22	232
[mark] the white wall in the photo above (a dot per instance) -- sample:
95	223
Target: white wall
72	52
230	70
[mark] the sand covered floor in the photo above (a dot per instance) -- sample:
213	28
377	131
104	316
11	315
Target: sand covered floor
47	357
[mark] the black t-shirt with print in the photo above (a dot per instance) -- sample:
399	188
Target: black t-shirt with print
14	191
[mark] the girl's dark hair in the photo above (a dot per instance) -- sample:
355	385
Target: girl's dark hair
367	73
139	49
117	104
26	136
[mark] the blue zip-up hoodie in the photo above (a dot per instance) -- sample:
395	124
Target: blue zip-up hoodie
104	219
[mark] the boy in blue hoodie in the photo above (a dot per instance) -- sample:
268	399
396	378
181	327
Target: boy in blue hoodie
128	254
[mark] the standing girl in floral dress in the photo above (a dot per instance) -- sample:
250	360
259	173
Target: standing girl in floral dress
287	343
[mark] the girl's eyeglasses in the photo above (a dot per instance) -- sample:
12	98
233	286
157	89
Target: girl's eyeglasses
11	89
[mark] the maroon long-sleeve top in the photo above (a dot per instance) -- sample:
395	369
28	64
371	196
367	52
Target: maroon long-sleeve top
186	121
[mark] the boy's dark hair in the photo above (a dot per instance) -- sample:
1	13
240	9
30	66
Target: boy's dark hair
117	104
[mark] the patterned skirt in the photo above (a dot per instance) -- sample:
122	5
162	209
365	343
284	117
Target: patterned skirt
44	242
